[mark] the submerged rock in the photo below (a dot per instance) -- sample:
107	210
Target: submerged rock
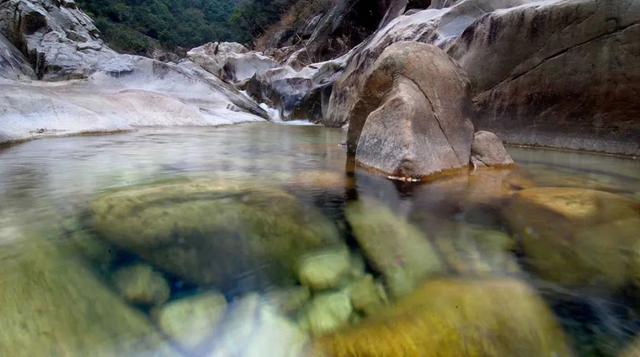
52	305
212	232
456	318
139	284
577	237
367	296
192	321
395	248
326	312
288	300
324	269
413	118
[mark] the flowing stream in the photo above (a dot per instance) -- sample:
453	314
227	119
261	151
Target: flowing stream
106	243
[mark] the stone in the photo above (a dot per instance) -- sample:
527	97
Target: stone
326	312
414	119
253	329
212	56
487	150
139	284
13	65
456	317
209	232
399	251
633	350
567	82
52	304
588	243
191	321
324	269
367	296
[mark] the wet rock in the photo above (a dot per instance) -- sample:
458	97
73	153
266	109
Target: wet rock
395	248
326	312
51	304
324	269
456	318
253	329
487	150
139	284
633	350
208	231
588	240
192	321
414	116
367	296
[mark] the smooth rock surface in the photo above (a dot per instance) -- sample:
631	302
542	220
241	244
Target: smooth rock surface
225	229
326	312
324	269
139	284
589	240
192	321
487	150
450	318
53	305
13	65
413	118
395	248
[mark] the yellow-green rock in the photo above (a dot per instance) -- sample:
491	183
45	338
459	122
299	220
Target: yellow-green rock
394	247
326	312
367	296
452	318
140	284
208	231
52	305
324	269
577	237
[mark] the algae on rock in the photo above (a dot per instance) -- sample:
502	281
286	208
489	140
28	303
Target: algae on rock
208	231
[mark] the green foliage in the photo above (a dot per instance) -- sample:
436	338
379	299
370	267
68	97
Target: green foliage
135	26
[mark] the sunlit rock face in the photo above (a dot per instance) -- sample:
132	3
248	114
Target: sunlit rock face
457	317
577	237
230	61
117	92
208	231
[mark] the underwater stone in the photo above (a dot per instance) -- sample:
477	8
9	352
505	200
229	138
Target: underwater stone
209	231
451	318
192	320
324	269
288	300
140	284
326	312
394	247
576	237
53	305
366	295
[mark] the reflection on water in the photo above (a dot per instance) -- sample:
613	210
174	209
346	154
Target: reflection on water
252	240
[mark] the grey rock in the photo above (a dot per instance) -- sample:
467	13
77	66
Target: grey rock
487	150
413	117
13	65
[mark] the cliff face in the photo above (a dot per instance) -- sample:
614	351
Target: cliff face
551	73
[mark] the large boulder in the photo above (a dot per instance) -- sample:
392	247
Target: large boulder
487	150
230	61
53	305
413	117
577	237
495	317
558	73
211	232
